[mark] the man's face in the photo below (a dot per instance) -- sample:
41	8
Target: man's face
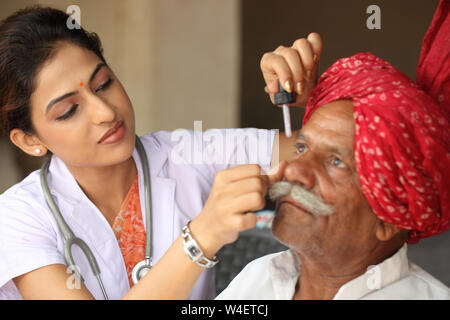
324	164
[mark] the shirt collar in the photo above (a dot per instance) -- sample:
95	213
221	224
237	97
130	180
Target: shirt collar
285	269
376	277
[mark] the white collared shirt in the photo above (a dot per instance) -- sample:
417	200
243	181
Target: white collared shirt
275	276
182	164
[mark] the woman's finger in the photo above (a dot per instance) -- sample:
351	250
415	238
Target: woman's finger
236	173
275	68
253	184
294	60
306	54
252	201
276	173
316	43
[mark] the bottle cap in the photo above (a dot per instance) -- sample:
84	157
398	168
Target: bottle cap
283	97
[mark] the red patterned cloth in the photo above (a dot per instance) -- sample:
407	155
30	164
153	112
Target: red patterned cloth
130	231
433	70
402	138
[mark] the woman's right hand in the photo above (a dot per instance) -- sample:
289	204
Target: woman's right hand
296	68
236	193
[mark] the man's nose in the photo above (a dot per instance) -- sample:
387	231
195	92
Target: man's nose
300	171
100	110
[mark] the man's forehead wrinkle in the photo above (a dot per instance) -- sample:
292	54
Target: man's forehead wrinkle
337	117
324	131
342	118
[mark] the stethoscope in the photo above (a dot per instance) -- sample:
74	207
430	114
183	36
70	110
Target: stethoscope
142	267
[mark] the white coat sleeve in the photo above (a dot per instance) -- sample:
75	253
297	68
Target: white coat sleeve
219	149
27	239
231	147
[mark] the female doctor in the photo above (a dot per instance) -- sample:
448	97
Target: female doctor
59	97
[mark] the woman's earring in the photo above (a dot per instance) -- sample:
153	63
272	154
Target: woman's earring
38	151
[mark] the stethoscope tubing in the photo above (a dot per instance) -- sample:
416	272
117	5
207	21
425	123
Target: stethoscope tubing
70	238
148	199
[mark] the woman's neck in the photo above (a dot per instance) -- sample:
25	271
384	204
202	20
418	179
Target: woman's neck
106	187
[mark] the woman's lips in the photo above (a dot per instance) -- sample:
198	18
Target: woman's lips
114	134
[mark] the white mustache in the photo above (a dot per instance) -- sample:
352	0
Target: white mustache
308	200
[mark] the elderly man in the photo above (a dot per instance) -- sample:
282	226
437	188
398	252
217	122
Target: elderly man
370	173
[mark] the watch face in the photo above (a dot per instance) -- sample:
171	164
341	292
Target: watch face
194	251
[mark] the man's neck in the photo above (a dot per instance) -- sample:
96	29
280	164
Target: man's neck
321	280
316	283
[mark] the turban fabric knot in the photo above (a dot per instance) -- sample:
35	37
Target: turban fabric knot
402	136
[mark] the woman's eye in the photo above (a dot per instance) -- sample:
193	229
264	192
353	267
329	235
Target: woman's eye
105	85
69	113
300	148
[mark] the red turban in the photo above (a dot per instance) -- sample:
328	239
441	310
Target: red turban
433	70
402	136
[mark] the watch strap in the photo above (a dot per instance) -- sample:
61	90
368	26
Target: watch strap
193	250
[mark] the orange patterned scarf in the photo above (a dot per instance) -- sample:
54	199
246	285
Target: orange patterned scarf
129	229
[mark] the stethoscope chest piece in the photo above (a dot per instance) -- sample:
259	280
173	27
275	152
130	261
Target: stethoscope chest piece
140	270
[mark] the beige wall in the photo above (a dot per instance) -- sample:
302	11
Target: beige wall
126	34
196	63
177	59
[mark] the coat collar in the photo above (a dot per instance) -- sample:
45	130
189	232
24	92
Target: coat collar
162	195
63	183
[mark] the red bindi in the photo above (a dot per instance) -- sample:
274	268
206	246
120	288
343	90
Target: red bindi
81	84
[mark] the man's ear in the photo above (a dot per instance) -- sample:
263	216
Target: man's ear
386	231
29	144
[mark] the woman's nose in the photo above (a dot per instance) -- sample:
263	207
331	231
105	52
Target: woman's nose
300	171
100	111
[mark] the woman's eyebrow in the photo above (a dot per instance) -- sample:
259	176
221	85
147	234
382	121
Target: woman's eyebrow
56	100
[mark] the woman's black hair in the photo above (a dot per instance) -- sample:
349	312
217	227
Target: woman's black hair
28	38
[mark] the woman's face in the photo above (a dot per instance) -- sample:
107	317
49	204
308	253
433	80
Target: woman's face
78	102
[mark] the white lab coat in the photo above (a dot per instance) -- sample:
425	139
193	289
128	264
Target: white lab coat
30	237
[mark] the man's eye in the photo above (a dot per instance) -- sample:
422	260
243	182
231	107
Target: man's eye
300	148
105	85
338	163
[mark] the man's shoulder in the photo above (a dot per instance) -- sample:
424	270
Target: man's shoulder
253	282
268	263
431	288
416	284
255	268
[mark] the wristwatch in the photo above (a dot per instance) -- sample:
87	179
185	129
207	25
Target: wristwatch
193	250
